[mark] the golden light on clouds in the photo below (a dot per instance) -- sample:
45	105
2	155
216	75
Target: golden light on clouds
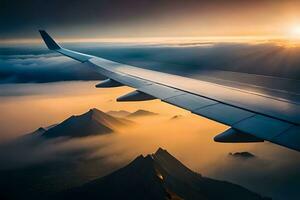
48	104
189	138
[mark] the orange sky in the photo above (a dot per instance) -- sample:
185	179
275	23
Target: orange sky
267	19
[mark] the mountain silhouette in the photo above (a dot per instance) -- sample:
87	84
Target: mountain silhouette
141	113
176	117
242	155
118	113
93	122
39	131
157	176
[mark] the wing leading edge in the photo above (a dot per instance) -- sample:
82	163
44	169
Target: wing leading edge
252	117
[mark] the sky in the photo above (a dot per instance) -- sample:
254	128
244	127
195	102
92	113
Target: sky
145	18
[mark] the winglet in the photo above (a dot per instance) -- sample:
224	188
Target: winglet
51	44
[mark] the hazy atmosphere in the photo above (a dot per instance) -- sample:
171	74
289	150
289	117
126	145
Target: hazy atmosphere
188	137
34	93
59	132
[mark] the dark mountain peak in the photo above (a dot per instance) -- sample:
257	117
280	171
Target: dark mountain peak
138	159
142	113
175	117
94	112
41	129
157	176
91	112
93	122
32	136
163	153
37	132
160	150
172	166
142	162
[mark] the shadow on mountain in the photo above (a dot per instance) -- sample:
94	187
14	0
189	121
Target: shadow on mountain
157	176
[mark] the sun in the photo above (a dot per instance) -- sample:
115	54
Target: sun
295	32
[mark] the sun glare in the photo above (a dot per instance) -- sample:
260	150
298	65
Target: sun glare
295	32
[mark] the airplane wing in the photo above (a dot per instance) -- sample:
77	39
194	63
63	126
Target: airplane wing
253	117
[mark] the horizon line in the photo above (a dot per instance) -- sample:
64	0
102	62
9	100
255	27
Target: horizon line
157	39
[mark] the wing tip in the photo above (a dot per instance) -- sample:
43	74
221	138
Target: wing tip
51	44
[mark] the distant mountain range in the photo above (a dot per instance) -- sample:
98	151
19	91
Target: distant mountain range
93	122
141	113
157	176
118	113
138	113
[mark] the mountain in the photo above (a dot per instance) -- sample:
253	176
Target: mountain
157	176
93	122
175	117
242	155
118	113
39	131
141	113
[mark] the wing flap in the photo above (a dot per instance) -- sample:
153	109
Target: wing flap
262	126
223	113
160	91
189	101
289	138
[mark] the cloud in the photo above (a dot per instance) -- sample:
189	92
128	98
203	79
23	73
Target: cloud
183	58
41	68
274	172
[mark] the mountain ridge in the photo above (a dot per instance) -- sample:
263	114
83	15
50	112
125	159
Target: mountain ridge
157	176
141	113
93	122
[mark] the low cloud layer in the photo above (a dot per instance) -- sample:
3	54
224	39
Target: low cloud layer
36	64
41	68
274	172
